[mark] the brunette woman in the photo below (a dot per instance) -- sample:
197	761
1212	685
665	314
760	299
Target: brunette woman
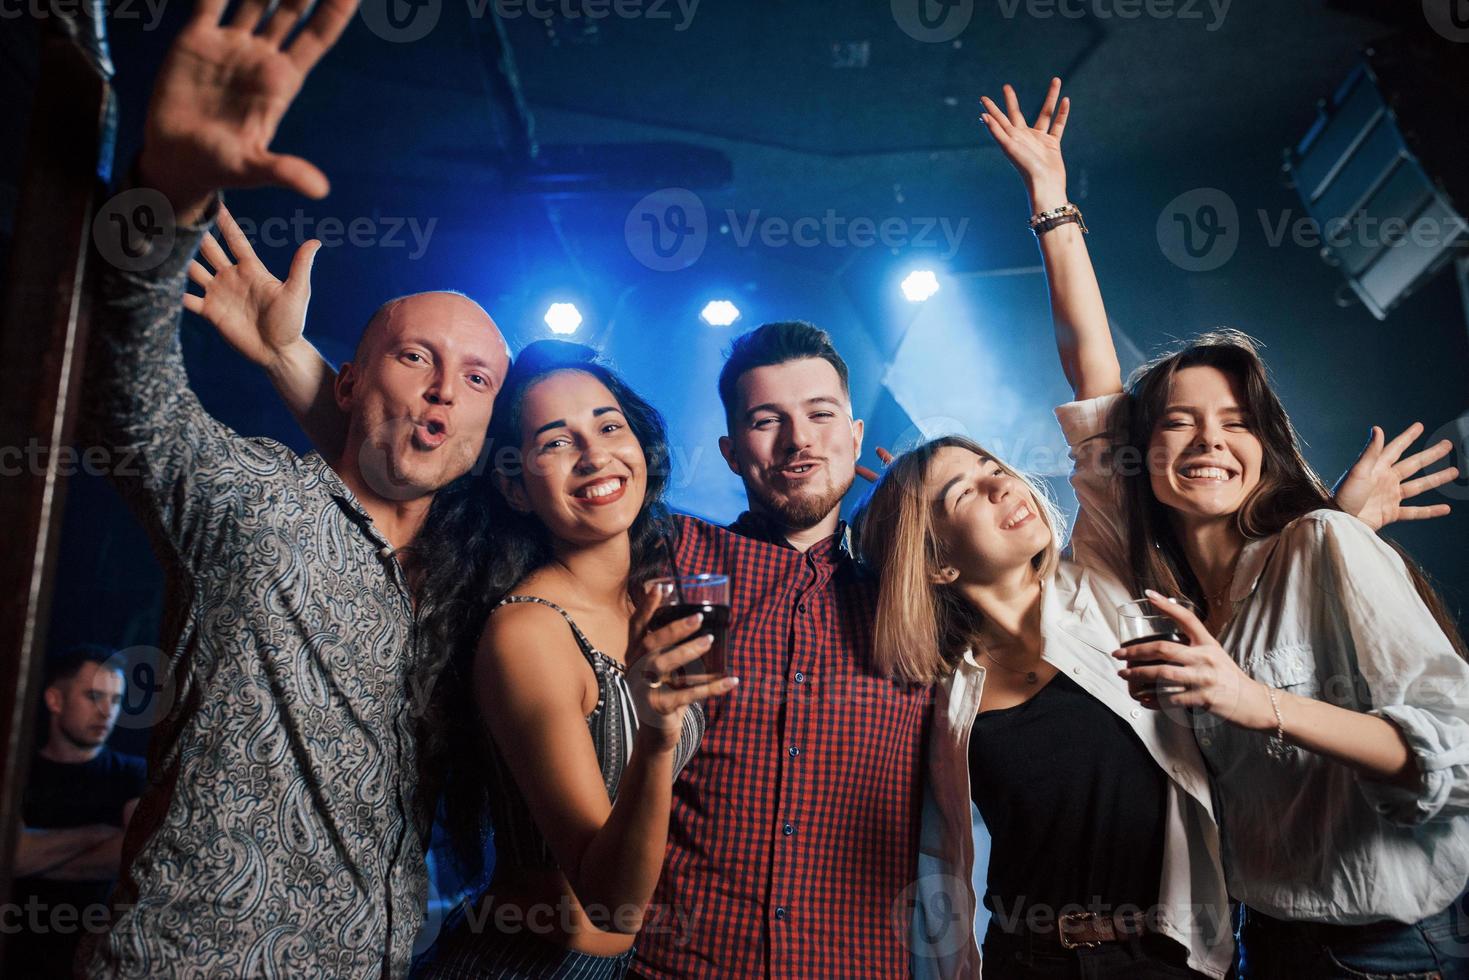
1323	679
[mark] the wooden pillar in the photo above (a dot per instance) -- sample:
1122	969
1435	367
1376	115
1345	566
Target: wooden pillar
43	331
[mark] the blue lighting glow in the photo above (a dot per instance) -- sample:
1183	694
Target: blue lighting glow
720	313
563	318
920	285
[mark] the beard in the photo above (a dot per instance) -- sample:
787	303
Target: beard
803	509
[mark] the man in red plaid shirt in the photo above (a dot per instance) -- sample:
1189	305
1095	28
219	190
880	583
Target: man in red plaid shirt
794	829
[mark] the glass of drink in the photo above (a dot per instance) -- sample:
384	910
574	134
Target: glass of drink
684	596
1139	621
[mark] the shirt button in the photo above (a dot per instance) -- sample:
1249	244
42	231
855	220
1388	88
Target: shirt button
780	912
800	607
1205	740
1076	671
788	830
1137	712
800	677
794	750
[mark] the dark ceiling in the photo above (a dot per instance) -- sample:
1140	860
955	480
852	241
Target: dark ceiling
527	142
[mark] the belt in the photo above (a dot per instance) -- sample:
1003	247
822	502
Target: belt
1083	930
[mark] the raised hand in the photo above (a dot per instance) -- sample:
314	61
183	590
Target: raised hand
261	317
1374	489
222	92
652	658
1034	151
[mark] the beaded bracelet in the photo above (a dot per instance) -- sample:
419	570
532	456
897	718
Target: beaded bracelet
1068	213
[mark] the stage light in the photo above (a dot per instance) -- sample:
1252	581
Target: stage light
720	313
920	285
563	318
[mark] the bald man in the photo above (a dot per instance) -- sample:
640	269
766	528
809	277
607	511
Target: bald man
280	835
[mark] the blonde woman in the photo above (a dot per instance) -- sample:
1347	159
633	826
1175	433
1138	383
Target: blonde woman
1103	852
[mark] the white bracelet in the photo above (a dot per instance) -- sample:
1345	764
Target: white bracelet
1279	721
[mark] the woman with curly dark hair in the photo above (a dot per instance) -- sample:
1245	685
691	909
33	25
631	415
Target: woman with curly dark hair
536	720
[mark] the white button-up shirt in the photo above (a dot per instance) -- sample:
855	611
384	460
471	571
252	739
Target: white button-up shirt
1324	609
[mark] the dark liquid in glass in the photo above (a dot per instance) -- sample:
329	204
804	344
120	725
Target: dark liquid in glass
716	621
1171	636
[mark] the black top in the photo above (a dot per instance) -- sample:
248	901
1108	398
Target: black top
60	795
1074	805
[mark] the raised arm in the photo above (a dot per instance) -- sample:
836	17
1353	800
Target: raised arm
1083	336
218	99
264	319
525	683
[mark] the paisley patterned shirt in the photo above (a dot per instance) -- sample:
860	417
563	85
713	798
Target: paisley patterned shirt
279	835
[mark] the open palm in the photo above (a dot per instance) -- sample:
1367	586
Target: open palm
221	94
259	315
1035	151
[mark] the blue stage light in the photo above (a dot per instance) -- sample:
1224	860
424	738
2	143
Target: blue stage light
720	313
563	318
920	285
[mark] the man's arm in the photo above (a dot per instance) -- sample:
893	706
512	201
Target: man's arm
40	853
218	100
264	319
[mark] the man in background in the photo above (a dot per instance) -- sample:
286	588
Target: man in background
78	800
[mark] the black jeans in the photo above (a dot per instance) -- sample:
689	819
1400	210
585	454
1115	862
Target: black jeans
1152	957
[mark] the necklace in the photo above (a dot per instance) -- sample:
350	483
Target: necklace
1030	675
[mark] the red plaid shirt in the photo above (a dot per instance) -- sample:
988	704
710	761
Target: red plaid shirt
794	830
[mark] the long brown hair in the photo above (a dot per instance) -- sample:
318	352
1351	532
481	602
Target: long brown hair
1288	487
923	627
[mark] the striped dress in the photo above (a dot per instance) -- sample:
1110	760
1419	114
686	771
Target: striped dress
465	951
